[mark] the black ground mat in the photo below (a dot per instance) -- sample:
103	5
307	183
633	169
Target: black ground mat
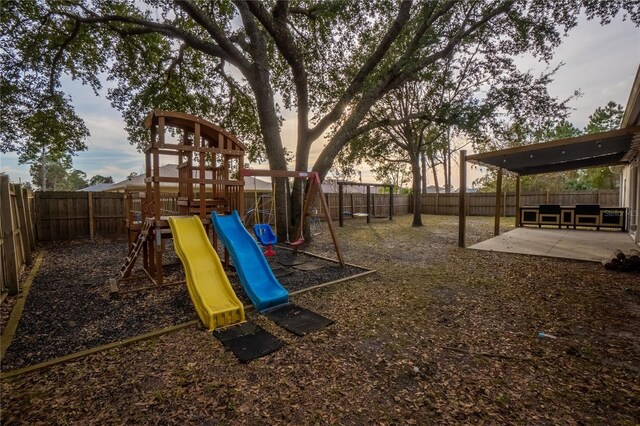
299	321
281	272
291	262
308	266
248	341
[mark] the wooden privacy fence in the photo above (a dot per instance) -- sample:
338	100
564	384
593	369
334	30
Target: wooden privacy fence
70	215
357	203
354	203
17	236
484	203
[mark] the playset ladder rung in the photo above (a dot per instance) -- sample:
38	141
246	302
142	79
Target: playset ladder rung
126	268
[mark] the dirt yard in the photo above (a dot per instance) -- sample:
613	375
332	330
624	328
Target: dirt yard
439	335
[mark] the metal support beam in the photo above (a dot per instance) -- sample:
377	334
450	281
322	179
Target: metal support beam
517	206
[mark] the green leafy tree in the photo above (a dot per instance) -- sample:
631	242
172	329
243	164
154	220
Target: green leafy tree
100	179
605	118
240	62
76	179
61	175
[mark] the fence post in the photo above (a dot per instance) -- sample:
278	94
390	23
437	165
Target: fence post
29	212
7	236
517	203
22	221
326	197
353	206
341	206
504	205
91	221
368	204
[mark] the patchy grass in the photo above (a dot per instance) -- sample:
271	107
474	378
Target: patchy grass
438	335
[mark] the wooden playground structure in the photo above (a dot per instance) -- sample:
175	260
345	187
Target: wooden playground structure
210	165
210	178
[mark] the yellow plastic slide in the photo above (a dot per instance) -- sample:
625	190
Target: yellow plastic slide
209	288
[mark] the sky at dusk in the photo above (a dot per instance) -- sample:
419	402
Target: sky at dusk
600	61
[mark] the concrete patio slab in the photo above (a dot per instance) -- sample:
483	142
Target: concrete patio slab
592	246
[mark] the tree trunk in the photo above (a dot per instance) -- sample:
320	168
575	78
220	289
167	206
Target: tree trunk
270	129
423	159
417	197
448	169
444	167
435	176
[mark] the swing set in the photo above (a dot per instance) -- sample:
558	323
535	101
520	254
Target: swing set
314	187
263	231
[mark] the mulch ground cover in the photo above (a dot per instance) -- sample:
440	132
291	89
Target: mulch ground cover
69	308
440	335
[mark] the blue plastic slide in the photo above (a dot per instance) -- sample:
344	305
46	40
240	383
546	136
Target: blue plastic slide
256	276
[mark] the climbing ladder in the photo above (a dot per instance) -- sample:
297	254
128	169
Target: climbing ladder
126	268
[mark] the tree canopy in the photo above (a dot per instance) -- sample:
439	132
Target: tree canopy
100	179
61	176
241	62
416	120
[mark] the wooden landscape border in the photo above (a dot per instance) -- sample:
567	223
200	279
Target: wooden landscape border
16	313
366	272
146	336
91	351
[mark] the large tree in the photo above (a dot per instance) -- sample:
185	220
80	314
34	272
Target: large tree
466	95
239	62
97	179
604	118
61	175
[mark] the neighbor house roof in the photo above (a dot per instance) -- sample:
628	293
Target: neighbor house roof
137	183
99	187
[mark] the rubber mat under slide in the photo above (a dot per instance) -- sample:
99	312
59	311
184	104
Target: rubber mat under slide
300	321
248	341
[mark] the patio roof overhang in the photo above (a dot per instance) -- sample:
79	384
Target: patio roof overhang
594	150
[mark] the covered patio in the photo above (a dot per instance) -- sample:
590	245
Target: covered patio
586	245
594	150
